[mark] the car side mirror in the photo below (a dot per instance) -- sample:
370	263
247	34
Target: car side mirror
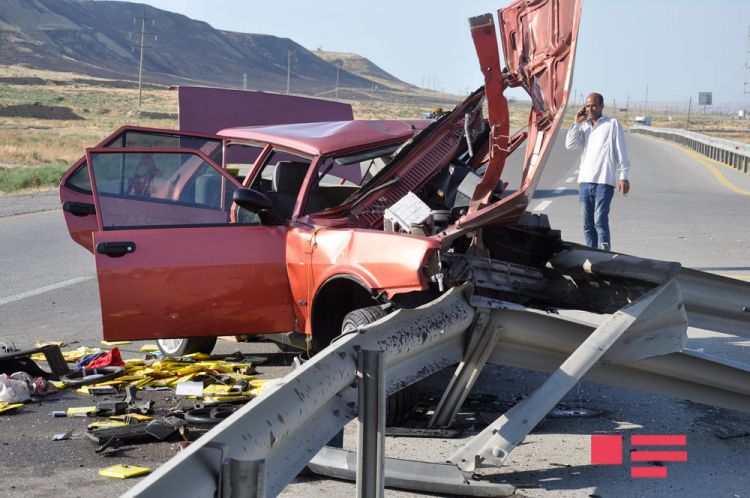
258	203
252	200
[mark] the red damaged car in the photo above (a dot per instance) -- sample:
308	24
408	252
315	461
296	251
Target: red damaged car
332	224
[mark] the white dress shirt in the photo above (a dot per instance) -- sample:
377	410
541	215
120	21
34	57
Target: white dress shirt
604	158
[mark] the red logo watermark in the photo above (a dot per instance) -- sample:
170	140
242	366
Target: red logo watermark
607	450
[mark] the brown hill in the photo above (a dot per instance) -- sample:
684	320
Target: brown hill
100	38
361	66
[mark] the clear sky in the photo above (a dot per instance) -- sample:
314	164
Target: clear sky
676	47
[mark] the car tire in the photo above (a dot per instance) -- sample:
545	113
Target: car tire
399	405
186	345
208	415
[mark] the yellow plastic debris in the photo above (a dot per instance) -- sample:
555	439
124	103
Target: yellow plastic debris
41	344
217	389
149	348
6	407
228	399
184	378
198	356
79	411
188	370
123	471
58	384
115	343
135	362
131	416
77	354
140	383
105	425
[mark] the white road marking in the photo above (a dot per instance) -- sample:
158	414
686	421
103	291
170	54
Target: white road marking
542	205
559	190
42	290
570	180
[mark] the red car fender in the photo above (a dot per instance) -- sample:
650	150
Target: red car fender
379	261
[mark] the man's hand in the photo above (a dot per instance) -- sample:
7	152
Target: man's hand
581	115
624	187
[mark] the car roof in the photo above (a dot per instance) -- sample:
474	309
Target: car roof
330	136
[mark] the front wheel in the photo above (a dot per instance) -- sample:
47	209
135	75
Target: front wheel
187	345
399	405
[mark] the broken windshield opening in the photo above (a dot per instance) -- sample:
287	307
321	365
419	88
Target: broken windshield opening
339	178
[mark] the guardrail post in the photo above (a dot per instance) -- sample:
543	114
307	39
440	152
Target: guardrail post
243	479
371	449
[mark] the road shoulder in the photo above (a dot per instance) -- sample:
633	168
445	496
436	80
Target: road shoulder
29	202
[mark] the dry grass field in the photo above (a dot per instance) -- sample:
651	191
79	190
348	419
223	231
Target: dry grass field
48	118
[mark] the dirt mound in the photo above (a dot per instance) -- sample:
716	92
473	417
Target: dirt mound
39	111
157	115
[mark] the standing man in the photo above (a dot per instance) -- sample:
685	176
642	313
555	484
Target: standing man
604	166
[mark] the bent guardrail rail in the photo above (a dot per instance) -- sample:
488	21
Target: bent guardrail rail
262	447
734	154
272	438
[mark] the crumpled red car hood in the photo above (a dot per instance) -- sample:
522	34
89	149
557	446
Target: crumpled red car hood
539	39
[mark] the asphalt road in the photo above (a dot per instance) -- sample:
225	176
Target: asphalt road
681	208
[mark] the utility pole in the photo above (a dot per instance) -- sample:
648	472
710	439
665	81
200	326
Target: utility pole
288	70
746	86
338	68
244	81
690	106
141	49
645	104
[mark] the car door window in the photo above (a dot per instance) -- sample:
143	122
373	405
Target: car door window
134	138
159	189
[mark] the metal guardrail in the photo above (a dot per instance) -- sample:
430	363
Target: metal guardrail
259	449
734	154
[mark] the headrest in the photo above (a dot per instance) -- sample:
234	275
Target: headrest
288	176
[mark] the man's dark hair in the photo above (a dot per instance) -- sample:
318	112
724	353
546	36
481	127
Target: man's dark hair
599	98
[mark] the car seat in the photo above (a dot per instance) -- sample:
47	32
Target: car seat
285	186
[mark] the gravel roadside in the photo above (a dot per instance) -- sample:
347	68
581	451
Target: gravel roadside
29	202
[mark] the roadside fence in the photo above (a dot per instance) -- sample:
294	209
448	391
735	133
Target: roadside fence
734	154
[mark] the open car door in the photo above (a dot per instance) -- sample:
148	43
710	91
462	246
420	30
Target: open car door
171	261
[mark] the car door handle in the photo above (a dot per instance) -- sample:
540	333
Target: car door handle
115	249
79	208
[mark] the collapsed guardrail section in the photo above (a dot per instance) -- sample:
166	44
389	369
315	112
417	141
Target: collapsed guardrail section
262	447
734	154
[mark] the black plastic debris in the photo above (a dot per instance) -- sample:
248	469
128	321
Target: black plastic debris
144	432
20	361
84	376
